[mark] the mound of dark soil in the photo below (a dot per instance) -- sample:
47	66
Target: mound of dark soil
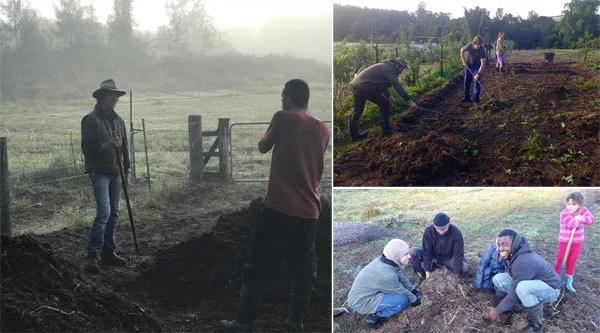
41	292
202	275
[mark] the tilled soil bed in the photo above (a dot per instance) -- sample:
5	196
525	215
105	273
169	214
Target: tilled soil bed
537	125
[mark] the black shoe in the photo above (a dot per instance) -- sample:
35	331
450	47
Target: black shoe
535	318
91	266
476	100
235	326
374	321
110	258
354	129
465	100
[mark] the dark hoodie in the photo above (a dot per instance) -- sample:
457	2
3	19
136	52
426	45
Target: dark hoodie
380	77
524	264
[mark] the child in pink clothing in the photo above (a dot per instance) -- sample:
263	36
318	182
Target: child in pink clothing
574	216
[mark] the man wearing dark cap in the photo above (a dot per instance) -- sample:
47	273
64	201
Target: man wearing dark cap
529	279
443	245
103	136
372	85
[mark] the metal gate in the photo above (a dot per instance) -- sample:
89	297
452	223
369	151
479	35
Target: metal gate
248	164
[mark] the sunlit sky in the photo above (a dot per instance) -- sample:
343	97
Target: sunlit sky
225	13
455	7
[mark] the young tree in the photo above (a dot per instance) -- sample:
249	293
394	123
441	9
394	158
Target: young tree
120	24
76	25
190	27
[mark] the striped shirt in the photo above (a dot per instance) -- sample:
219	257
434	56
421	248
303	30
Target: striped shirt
568	222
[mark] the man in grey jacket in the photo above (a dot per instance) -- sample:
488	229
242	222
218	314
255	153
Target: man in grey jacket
528	279
372	85
380	290
103	136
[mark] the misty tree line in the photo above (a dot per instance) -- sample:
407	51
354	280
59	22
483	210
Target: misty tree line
578	26
66	57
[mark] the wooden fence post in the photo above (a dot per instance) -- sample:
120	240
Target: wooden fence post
195	142
146	152
5	228
224	146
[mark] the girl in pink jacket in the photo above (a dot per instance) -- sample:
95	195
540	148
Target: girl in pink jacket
574	216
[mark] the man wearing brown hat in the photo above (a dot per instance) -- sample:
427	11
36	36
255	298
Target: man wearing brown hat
443	245
372	85
103	136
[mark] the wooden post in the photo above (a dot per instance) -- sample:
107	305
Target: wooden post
224	145
146	152
195	142
441	58
72	149
5	229
131	135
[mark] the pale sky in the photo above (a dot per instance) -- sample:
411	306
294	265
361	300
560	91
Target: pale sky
150	14
455	7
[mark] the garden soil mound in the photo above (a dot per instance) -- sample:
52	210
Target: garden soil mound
451	304
202	275
41	292
536	125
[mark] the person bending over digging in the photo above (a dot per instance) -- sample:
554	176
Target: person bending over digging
490	264
529	279
103	136
572	219
474	65
287	228
372	84
380	290
443	245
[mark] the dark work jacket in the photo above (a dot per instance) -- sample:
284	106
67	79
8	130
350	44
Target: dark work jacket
522	265
490	264
443	247
100	155
379	77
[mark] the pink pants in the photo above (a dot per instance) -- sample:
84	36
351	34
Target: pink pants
571	260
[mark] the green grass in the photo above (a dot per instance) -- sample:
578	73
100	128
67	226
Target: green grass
480	213
44	144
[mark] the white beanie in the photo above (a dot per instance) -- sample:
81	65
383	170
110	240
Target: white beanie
395	249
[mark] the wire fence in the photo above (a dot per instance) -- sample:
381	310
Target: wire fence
49	188
248	164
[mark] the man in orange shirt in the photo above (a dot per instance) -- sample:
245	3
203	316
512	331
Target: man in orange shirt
287	229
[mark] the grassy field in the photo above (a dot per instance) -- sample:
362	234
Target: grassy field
479	213
44	145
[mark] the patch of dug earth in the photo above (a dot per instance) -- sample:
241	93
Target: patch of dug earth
451	304
200	278
41	292
535	126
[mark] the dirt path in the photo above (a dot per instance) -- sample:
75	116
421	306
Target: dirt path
187	278
539	124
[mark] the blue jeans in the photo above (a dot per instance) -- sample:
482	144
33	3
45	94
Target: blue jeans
107	191
469	72
391	304
530	292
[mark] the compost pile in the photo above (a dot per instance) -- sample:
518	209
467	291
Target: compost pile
41	292
533	125
356	232
202	276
